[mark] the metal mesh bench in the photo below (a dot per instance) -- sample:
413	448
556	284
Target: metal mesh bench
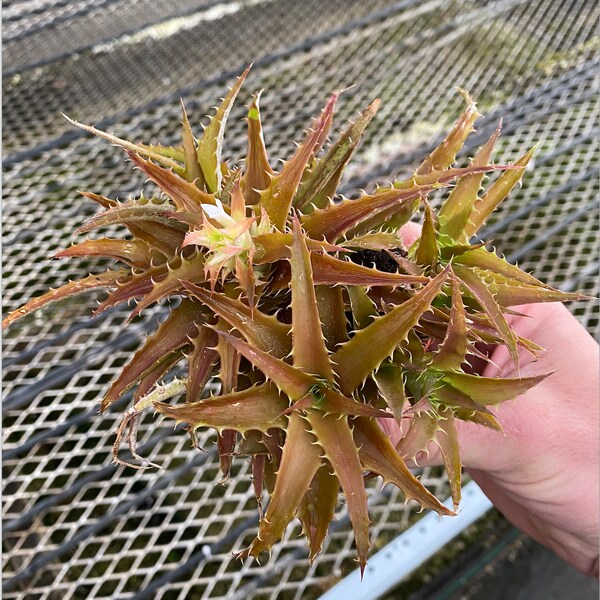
75	526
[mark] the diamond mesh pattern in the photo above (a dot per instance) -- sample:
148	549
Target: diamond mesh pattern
76	527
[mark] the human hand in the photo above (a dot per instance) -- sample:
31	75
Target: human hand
543	473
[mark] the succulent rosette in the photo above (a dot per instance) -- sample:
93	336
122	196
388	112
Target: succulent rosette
316	319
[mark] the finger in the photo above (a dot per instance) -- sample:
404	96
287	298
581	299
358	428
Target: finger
410	233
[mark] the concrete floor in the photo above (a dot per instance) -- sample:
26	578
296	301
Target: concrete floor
525	570
496	561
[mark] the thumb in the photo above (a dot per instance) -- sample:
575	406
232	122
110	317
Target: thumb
410	233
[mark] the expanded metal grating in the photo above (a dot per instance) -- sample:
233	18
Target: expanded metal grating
74	525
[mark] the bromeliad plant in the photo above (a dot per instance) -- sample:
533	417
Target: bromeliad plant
315	318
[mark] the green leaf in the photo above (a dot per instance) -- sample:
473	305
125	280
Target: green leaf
456	210
317	508
257	175
482	294
448	253
155	283
390	219
421	383
330	401
335	438
478	417
390	383
452	398
328	270
133	252
261	330
257	408
443	156
333	222
181	268
453	350
427	250
497	192
304	389
230	180
293	382
193	172
275	245
309	352
174	152
324	179
483	330
136	211
489	261
353	365
299	463
380	240
413	352
513	293
447	440
186	195
151	221
363	308
210	146
133	286
163	240
336	219
103	280
156	153
491	390
330	302
277	198
379	456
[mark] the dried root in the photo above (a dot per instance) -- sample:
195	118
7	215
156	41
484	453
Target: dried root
131	420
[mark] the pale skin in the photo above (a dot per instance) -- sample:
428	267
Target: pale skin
543	473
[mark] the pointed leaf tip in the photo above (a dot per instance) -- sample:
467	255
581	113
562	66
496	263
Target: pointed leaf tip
292	483
105	280
186	196
258	172
456	210
491	390
277	198
258	408
443	156
210	146
308	349
322	183
193	172
151	152
496	193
